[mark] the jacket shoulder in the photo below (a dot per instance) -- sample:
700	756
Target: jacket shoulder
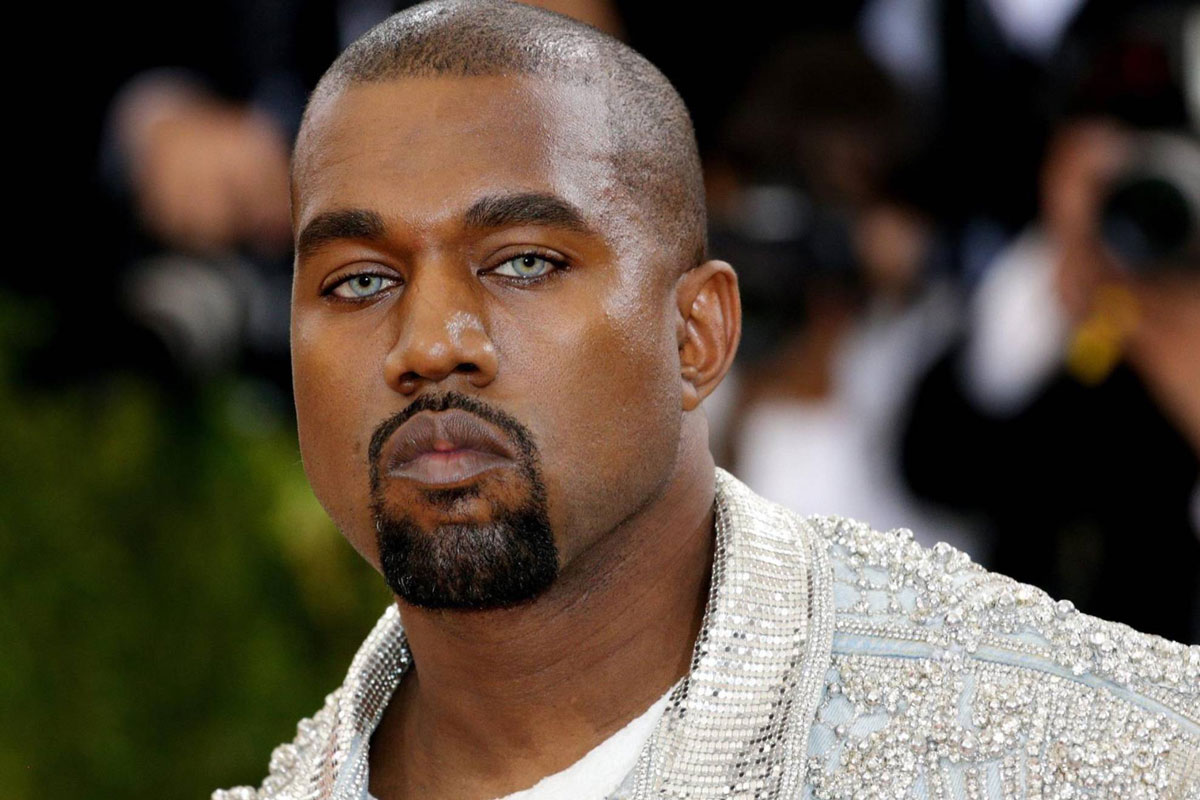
943	671
887	585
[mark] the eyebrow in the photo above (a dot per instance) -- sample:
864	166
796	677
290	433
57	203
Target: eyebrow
346	223
495	211
525	208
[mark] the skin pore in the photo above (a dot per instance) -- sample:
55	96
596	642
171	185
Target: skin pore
468	235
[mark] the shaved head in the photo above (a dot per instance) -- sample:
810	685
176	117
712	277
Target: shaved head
653	146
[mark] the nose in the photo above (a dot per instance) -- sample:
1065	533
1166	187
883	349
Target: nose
441	332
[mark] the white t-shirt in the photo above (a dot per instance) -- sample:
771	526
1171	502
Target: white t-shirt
598	774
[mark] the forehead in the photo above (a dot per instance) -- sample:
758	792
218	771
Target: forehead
420	150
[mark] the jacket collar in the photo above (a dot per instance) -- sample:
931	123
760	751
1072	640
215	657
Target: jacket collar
738	724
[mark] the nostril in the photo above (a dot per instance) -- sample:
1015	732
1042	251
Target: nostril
466	369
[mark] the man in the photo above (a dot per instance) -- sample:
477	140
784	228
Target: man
504	323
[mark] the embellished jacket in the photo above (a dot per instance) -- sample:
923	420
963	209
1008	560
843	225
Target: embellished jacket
838	662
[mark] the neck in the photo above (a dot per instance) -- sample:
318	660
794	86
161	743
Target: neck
499	699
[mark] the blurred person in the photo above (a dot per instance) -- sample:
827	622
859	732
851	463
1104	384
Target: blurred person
505	322
1067	416
978	73
844	302
976	70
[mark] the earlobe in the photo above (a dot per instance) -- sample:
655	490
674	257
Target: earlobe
708	328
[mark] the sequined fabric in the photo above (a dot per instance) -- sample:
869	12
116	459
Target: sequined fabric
840	663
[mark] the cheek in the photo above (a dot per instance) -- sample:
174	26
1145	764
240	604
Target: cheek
602	391
330	399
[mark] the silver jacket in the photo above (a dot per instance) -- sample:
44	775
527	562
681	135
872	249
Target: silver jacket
835	661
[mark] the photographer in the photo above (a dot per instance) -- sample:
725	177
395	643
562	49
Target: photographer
1067	416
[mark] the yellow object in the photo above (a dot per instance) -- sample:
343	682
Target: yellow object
1099	341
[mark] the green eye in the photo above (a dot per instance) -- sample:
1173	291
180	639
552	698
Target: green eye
529	265
356	287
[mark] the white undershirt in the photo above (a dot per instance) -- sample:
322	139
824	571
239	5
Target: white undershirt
600	772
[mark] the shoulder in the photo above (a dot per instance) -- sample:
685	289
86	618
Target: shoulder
886	585
938	660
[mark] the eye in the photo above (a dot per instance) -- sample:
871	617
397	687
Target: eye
527	265
360	286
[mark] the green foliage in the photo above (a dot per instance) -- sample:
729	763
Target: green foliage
172	597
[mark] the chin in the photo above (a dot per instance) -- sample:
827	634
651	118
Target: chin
500	562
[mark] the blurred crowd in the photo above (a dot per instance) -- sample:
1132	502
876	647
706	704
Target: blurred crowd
967	234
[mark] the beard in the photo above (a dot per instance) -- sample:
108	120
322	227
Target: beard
503	562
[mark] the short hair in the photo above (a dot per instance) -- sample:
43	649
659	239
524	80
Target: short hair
654	149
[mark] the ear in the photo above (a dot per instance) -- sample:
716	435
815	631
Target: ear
707	329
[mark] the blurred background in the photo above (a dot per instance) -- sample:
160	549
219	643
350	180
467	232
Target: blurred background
968	237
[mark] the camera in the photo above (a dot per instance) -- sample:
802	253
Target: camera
1150	215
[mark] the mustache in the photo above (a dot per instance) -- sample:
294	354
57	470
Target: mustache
444	401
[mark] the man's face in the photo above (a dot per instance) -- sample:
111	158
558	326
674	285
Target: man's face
483	336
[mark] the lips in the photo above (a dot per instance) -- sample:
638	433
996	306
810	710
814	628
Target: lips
445	448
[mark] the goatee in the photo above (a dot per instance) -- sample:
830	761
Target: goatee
503	562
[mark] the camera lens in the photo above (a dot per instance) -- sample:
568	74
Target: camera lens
1146	220
1150	217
